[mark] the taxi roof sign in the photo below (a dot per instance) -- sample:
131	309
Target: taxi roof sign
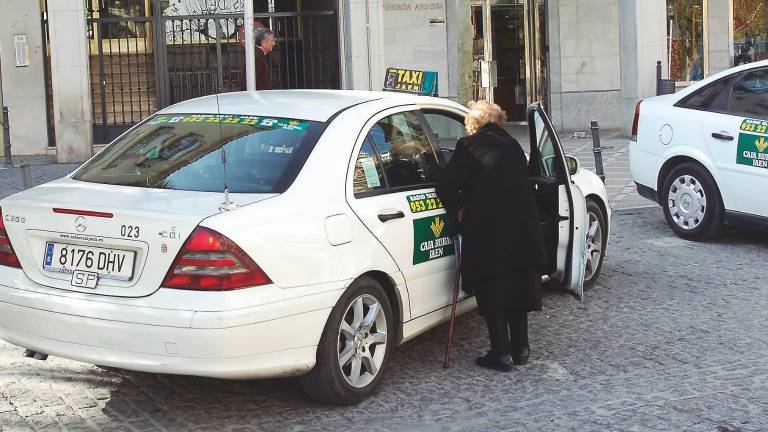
411	81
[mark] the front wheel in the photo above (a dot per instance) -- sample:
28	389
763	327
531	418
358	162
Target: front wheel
597	239
355	346
691	202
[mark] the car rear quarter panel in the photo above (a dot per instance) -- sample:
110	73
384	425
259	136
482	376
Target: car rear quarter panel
651	159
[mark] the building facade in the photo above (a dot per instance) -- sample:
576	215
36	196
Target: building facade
76	73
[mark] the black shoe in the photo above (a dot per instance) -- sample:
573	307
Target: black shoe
522	356
500	363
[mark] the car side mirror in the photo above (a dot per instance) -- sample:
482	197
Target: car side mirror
573	165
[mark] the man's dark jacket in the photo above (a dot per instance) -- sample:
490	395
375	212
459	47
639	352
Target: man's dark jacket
263	71
502	237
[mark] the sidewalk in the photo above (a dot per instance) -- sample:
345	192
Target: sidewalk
44	169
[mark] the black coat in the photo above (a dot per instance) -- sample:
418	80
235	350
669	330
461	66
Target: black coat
503	253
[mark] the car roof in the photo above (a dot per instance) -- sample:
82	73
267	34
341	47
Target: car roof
315	105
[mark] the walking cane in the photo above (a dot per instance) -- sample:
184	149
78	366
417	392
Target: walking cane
457	244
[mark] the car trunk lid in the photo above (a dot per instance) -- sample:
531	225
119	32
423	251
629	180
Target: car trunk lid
67	232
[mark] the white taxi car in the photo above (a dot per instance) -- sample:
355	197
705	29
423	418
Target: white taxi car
328	249
702	153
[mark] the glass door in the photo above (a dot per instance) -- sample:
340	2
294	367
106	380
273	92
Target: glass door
518	34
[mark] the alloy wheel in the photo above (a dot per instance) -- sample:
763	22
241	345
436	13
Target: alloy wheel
362	341
594	246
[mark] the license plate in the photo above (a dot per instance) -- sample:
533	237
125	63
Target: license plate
112	264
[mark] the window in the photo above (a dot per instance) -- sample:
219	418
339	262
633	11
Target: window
749	96
685	39
447	130
183	152
705	98
405	151
750	31
546	147
368	175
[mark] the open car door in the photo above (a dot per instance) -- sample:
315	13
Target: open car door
561	204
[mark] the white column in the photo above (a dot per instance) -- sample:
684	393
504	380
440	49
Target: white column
719	34
250	46
364	44
72	108
643	43
23	87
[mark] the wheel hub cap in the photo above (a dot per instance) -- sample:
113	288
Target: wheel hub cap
687	202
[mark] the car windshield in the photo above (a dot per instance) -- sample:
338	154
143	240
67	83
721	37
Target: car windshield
183	152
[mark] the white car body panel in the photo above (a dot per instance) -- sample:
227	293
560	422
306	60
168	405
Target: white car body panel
312	241
692	138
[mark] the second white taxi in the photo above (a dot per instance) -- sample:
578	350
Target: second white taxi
702	153
267	234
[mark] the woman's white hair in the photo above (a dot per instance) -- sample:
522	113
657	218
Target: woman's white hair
481	113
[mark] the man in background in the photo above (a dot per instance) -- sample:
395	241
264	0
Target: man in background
264	39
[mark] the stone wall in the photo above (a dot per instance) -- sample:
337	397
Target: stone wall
585	63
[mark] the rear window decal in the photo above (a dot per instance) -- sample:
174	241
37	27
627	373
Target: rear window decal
753	144
256	121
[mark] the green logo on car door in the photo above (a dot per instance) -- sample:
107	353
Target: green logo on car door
432	238
752	147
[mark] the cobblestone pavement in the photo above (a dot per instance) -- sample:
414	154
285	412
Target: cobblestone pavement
673	337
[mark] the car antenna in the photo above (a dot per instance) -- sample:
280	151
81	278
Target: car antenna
227	205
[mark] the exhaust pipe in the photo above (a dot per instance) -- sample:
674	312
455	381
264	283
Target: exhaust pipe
35	355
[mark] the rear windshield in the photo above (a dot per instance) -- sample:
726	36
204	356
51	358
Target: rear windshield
184	152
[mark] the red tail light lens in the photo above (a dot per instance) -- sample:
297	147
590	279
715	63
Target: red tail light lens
636	121
7	255
209	261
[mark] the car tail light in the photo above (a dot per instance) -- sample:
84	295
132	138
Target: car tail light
209	261
636	121
7	255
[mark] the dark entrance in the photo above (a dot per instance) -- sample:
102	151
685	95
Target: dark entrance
148	54
519	47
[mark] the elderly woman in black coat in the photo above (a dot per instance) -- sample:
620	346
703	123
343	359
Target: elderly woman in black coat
486	186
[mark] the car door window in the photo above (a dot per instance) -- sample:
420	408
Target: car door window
749	97
546	147
406	155
447	130
368	175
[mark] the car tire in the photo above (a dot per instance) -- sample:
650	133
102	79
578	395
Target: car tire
344	377
597	239
691	202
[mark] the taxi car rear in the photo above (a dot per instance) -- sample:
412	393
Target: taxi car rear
702	153
266	234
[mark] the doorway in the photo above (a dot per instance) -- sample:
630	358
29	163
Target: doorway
519	48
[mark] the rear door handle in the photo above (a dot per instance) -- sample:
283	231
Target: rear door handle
389	216
722	136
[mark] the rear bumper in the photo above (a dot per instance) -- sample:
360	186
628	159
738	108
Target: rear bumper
270	340
644	167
